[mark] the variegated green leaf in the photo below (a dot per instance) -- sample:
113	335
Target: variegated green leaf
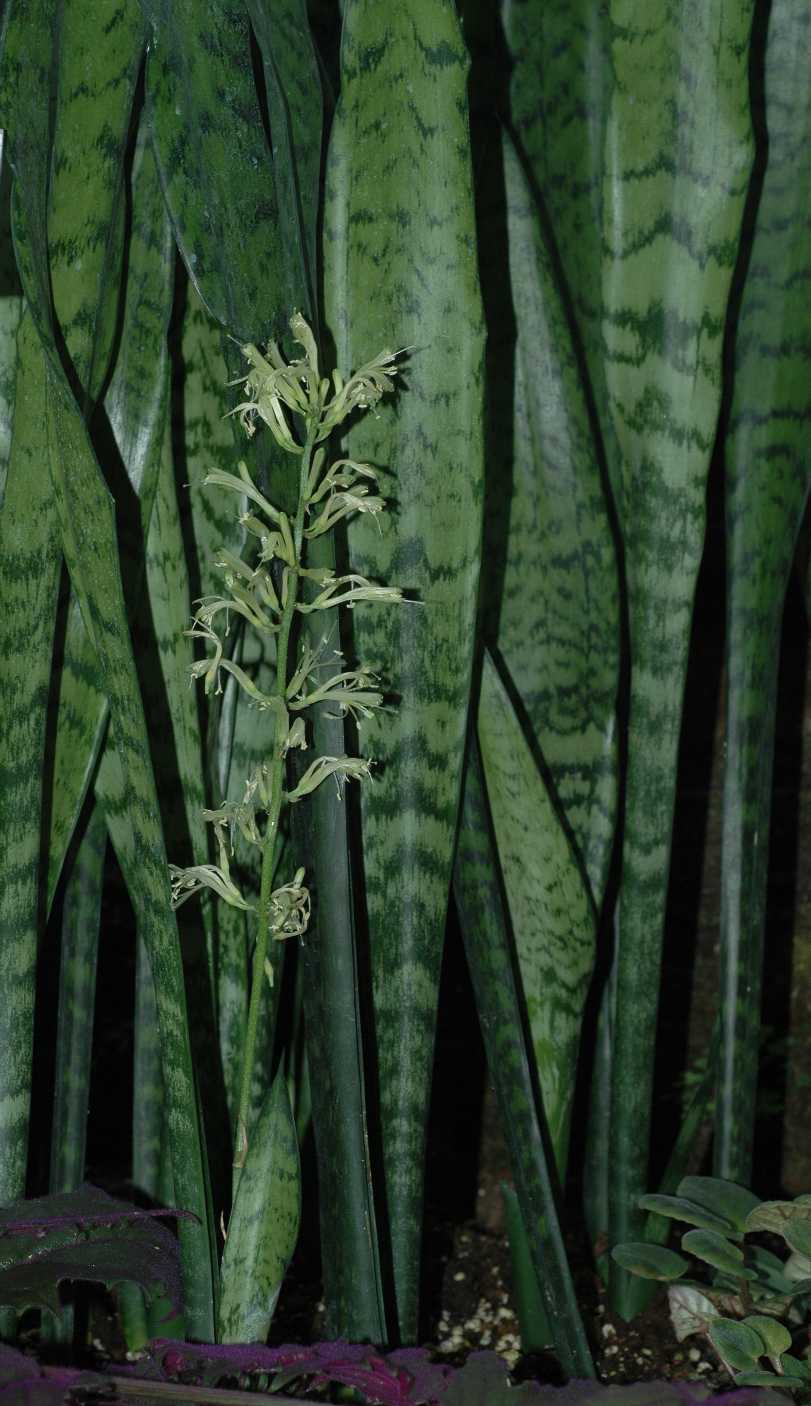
88	531
215	164
499	1003
558	607
136	405
672	206
95	77
400	271
551	911
81	918
561	84
295	111
767	490
263	1228
30	562
10	313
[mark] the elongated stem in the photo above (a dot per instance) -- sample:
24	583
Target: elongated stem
269	842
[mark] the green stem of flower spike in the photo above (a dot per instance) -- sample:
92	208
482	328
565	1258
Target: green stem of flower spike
270	840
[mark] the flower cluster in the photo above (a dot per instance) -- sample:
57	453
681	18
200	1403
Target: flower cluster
265	592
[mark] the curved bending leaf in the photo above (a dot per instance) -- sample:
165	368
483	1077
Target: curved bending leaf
558	611
400	271
551	911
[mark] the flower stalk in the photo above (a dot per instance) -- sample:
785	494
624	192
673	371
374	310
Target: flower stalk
301	409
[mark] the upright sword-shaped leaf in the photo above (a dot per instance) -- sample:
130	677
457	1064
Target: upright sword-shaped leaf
672	202
400	270
768	477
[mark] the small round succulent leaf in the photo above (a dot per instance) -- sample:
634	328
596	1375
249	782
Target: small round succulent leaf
680	1208
797	1235
774	1334
769	1379
726	1199
796	1366
649	1261
740	1346
717	1251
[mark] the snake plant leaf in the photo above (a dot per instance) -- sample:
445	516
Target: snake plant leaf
551	912
296	113
558	608
96	75
766	493
30	563
136	407
666	280
10	314
560	92
81	918
263	1228
88	532
511	1064
215	164
735	1204
400	271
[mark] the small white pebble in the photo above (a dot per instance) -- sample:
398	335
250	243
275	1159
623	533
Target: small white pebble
694	1354
647	1351
459	1276
611	1351
608	1330
703	1367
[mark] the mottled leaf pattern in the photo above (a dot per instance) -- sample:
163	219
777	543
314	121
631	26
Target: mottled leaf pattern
400	270
30	561
672	203
263	1228
558	622
560	88
10	313
551	911
96	72
767	490
81	917
215	165
493	975
136	407
88	530
295	112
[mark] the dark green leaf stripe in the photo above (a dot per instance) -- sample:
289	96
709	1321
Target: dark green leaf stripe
561	83
263	1228
295	110
98	63
215	163
400	270
88	531
551	910
672	208
81	915
767	489
136	406
511	1067
558	622
10	313
148	1095
30	560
